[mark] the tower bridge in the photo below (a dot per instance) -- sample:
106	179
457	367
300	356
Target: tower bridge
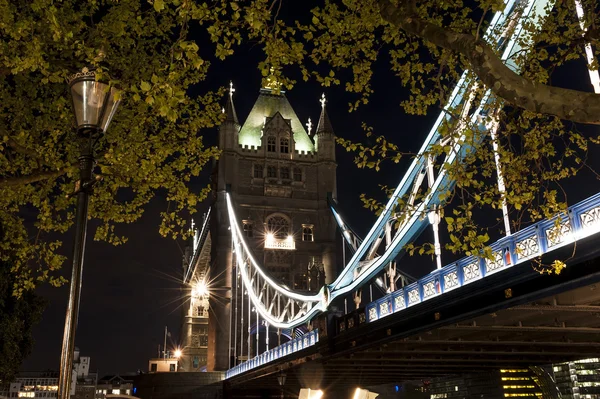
268	254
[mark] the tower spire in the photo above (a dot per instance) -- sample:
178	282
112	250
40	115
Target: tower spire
229	109
324	125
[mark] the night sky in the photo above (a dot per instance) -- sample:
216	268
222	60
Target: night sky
130	293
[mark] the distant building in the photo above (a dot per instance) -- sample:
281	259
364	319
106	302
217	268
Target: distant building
160	365
35	385
579	379
44	384
85	385
114	385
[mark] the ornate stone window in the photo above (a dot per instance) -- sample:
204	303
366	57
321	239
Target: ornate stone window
248	229
271	146
284	173
271	171
258	171
278	225
284	145
308	232
297	174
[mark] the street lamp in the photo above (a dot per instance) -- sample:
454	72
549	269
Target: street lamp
281	380
94	105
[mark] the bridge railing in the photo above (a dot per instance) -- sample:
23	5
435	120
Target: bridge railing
580	221
292	346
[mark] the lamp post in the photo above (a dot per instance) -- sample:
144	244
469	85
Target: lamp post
281	380
94	105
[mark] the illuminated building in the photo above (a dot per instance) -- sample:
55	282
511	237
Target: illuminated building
45	384
279	173
113	384
579	379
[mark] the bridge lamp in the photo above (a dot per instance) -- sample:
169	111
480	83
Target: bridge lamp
94	105
270	236
178	353
200	289
360	393
290	238
307	393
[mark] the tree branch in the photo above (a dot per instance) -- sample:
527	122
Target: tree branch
7	182
576	106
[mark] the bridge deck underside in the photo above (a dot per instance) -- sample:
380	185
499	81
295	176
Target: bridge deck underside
554	329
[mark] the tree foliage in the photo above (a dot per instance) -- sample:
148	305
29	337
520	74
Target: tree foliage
17	318
148	49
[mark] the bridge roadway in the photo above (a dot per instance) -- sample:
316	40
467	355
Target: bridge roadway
516	318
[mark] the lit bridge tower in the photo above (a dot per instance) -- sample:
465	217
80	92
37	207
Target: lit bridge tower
278	175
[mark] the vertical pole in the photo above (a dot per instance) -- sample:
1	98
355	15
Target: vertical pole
594	76
343	250
345	305
234	270
249	323
165	346
370	293
242	320
257	333
267	337
501	186
434	219
86	165
235	326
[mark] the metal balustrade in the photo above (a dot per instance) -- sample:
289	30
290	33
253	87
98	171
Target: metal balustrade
580	221
294	345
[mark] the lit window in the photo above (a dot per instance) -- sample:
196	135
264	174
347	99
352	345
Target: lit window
248	232
271	144
128	392
284	173
284	146
297	174
116	391
278	226
307	233
271	171
258	171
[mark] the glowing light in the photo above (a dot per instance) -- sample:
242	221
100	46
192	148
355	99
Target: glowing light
200	289
178	353
307	393
270	237
290	238
364	394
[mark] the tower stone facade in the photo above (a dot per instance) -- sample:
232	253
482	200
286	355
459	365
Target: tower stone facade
279	176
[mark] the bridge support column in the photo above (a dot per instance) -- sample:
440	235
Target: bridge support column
220	276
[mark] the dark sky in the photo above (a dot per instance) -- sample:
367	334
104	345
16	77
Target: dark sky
131	292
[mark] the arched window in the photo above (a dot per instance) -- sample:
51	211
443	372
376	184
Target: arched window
284	145
279	226
308	232
248	230
284	173
271	171
297	174
271	144
258	171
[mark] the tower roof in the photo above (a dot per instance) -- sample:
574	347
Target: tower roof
324	125
267	105
230	115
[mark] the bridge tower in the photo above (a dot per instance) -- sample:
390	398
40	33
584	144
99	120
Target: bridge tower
278	175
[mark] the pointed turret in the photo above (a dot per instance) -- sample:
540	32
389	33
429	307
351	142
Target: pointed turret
229	129
230	115
324	137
